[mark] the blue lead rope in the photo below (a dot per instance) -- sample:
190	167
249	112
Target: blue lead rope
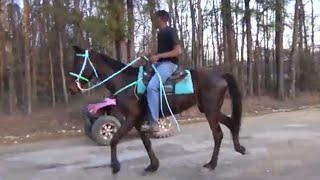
165	97
126	87
107	79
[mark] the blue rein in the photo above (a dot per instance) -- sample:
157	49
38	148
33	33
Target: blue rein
87	59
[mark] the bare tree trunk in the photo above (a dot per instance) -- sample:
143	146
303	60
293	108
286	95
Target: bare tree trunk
237	33
34	56
257	56
188	45
12	88
53	93
293	53
117	9
268	65
279	48
302	16
28	82
272	55
215	11
172	20
8	27
226	10
48	47
65	92
76	6
200	53
184	54
194	42
130	45
36	26
18	46
249	47
300	71
77	30
212	35
243	74
3	55
312	29
152	9
226	60
2	64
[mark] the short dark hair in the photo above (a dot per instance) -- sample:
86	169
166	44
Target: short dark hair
163	15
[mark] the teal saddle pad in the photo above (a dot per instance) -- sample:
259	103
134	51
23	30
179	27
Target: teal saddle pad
181	85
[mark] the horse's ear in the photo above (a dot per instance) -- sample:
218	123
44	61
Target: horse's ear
77	49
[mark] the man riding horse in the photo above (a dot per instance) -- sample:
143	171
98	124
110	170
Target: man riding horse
166	62
204	87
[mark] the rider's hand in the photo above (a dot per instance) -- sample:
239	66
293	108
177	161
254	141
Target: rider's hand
154	58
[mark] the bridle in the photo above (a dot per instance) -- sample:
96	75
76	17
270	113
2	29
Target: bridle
79	76
87	59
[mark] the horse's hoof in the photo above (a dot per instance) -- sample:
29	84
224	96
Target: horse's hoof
241	149
115	168
151	168
210	165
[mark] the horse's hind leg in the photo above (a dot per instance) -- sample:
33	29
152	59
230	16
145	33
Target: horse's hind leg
154	162
122	131
213	119
227	121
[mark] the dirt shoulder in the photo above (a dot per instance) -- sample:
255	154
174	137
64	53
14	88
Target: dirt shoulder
66	122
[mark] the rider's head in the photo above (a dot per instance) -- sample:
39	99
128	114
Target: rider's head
162	17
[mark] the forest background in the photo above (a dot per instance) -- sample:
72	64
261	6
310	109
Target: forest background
271	46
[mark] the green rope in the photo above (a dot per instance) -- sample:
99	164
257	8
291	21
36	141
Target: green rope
77	76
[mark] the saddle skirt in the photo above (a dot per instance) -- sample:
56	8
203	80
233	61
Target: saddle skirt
179	83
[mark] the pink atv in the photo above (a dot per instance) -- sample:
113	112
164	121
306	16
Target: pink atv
102	120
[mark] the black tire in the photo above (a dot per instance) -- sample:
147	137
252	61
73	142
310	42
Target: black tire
99	127
167	128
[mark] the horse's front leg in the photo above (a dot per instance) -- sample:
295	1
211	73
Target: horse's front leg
122	131
154	162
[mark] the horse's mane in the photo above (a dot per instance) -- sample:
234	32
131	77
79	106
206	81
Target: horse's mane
114	64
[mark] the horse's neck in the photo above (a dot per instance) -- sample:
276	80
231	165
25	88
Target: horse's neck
118	81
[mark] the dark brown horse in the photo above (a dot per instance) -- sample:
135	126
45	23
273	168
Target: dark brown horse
209	90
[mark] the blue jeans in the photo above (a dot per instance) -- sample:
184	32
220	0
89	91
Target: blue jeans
165	69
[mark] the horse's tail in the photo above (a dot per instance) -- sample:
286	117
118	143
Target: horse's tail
236	99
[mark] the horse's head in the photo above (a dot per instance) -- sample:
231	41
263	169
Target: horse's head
82	71
85	69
